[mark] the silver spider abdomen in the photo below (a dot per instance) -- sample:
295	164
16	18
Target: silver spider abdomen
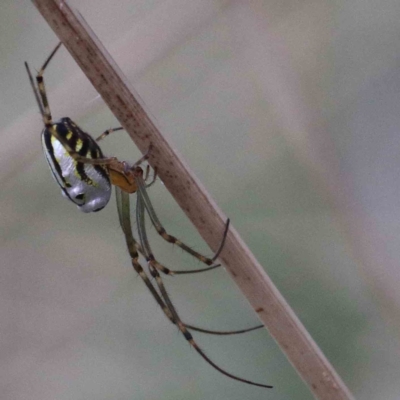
86	185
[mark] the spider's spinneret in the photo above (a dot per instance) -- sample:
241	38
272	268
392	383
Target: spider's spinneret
86	185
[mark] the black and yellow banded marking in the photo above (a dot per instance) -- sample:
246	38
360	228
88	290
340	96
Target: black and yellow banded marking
82	143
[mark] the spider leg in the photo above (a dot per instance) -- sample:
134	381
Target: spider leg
212	332
45	109
153	180
133	247
182	327
221	246
35	89
162	232
188	336
145	245
107	132
147	253
123	207
146	174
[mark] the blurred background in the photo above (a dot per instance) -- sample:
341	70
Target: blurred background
288	112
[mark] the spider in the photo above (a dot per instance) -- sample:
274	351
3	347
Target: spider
86	176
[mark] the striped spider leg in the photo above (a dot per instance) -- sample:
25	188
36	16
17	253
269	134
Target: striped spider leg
86	176
161	296
145	249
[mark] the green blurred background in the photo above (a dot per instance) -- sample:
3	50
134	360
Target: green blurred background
288	112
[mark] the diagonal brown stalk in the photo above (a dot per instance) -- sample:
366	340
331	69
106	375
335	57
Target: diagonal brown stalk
191	196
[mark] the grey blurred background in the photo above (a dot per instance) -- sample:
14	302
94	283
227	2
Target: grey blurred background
289	114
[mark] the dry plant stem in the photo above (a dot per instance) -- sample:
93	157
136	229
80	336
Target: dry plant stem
268	303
